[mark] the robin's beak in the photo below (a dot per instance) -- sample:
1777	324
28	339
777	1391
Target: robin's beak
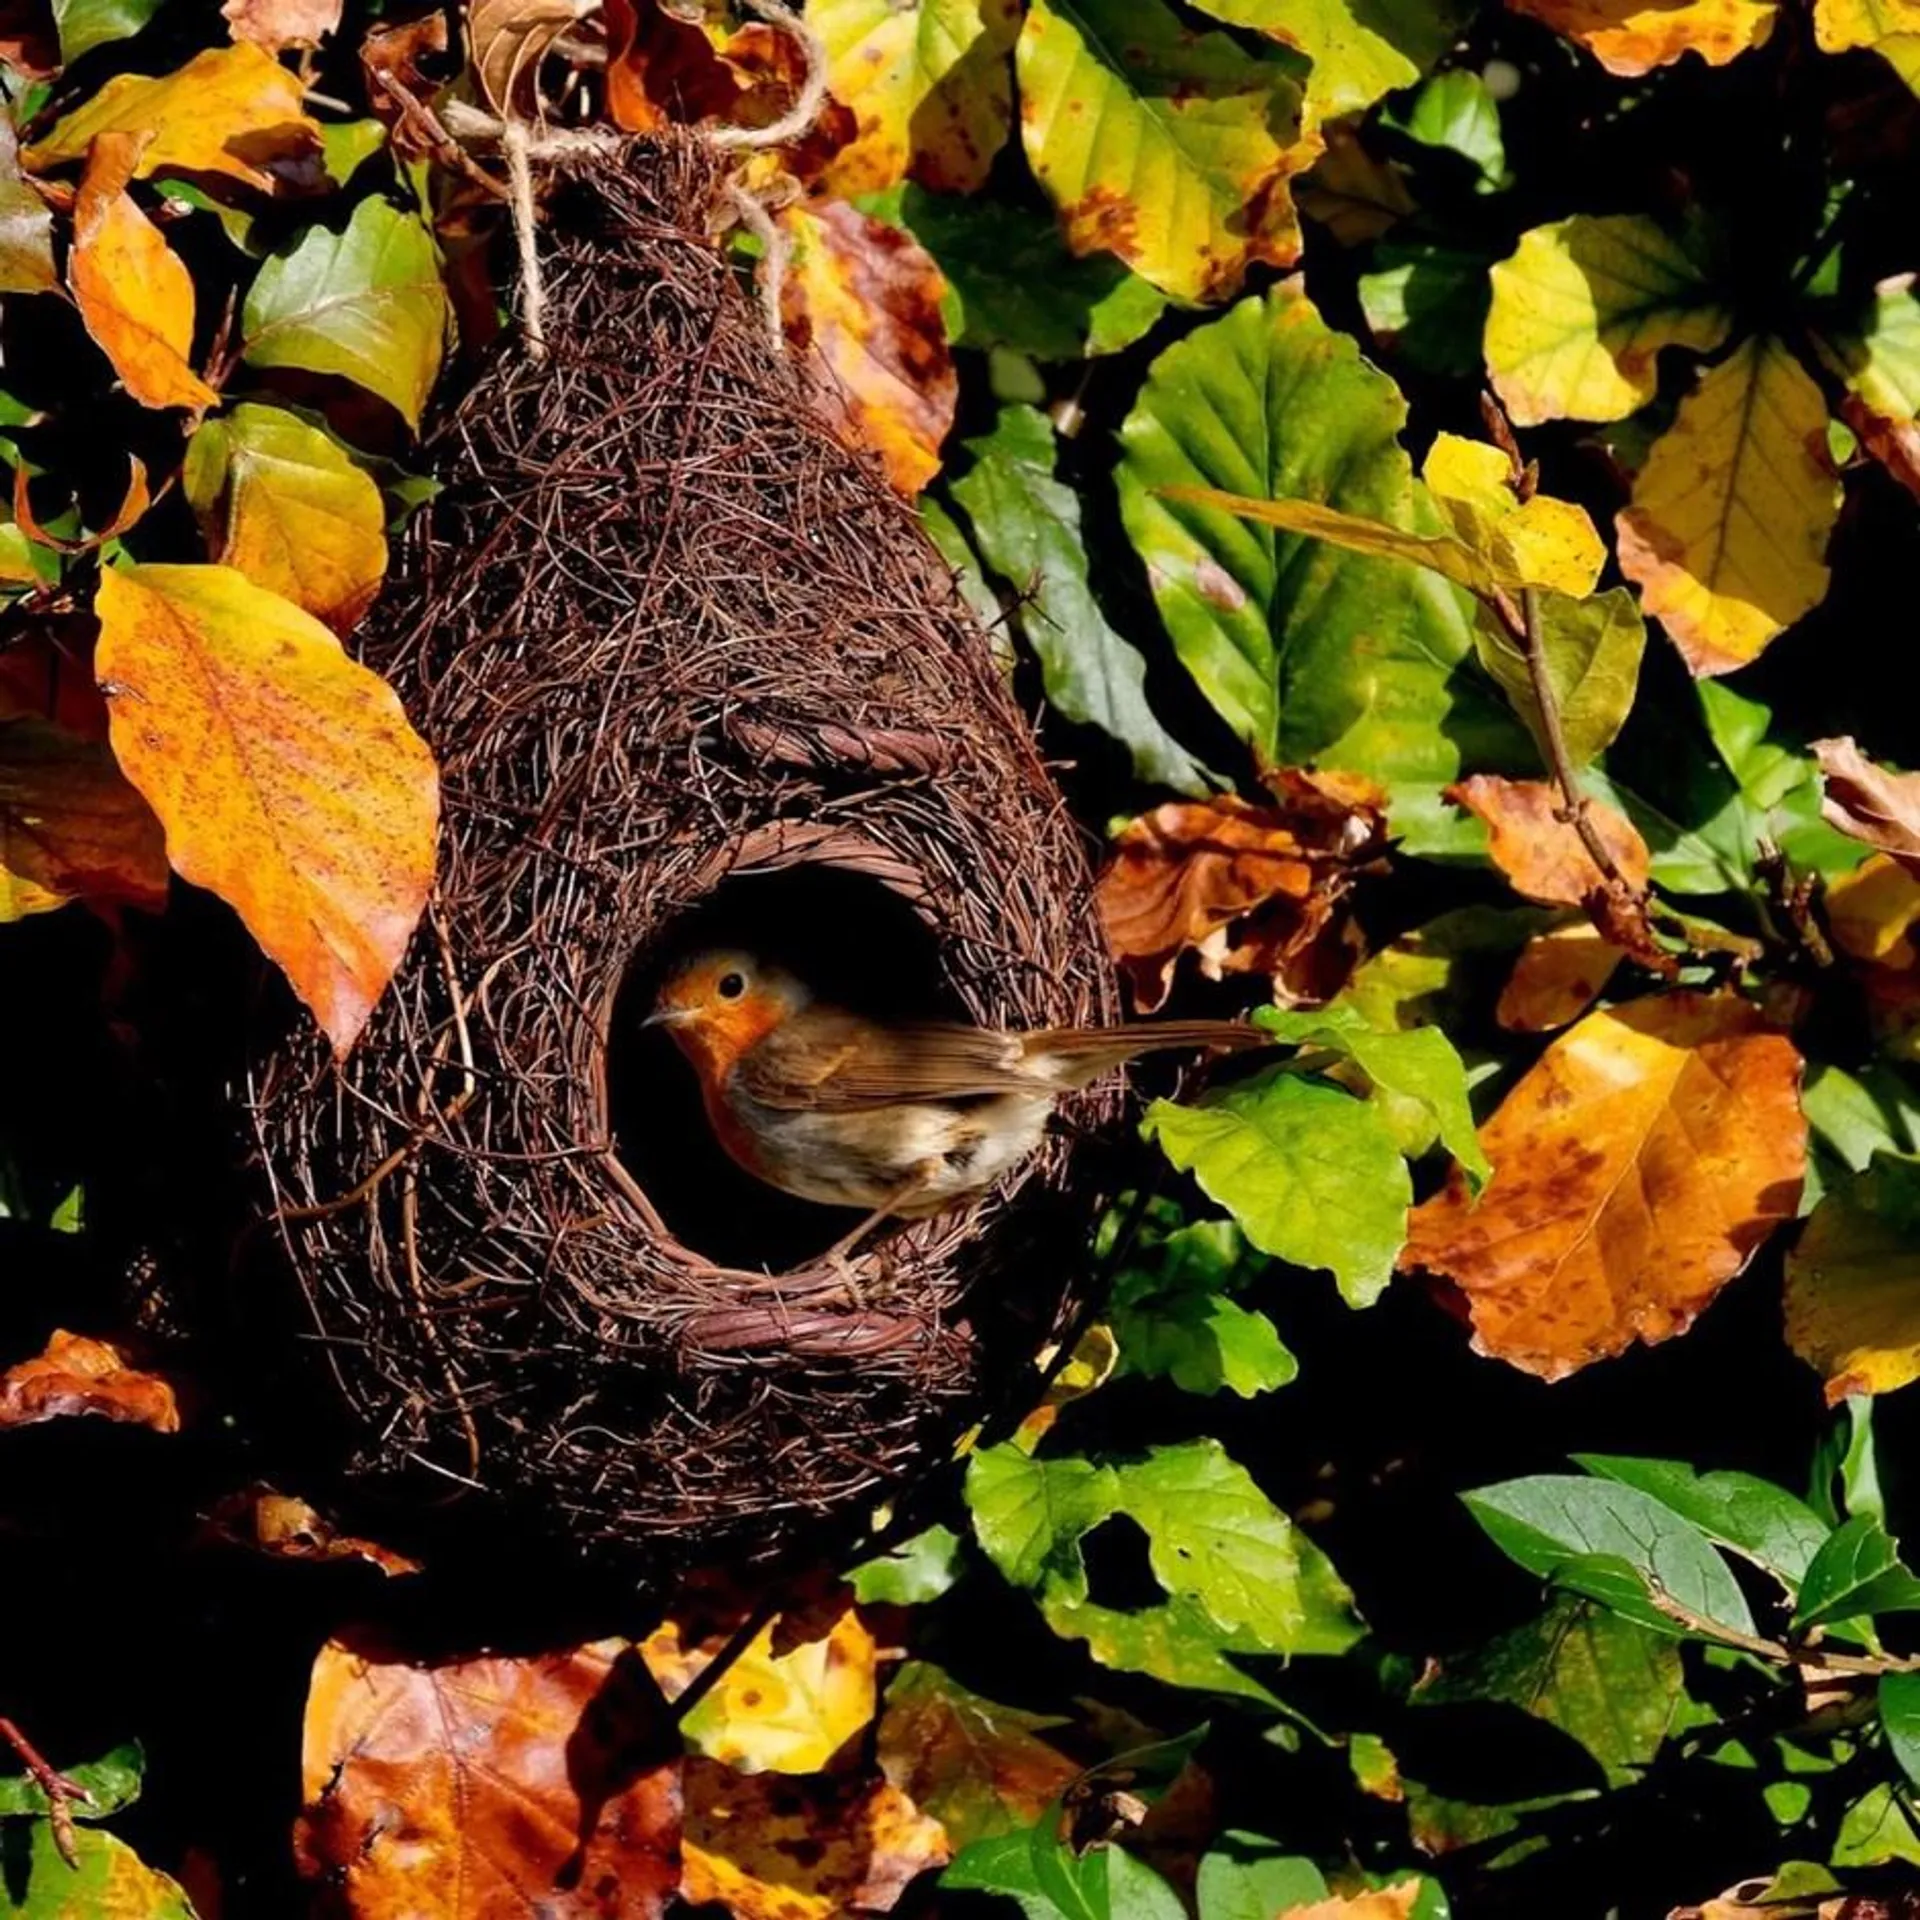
668	1017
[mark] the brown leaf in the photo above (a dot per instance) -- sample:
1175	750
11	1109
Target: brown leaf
28	42
1246	888
507	40
1557	977
77	1375
286	1528
1541	854
462	1788
135	296
1894	443
42	679
865	297
392	58
1866	802
278	24
286	774
663	71
1637	1166
768	1847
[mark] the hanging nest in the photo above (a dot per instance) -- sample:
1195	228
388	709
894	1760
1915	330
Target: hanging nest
691	670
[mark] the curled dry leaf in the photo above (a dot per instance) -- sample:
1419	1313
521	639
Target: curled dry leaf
278	24
507	40
393	59
134	294
488	1786
1541	854
136	500
286	1528
1866	802
1557	977
1638	1164
286	774
1635	36
865	297
767	1848
77	1375
1245	888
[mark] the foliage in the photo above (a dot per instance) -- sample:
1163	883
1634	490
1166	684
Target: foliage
1443	472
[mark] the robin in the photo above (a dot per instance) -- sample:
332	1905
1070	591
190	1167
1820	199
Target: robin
903	1118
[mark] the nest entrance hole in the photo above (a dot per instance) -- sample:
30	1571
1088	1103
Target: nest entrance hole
858	943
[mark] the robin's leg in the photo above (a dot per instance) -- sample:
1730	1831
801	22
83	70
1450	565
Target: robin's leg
839	1256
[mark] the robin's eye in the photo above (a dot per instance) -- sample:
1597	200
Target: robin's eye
732	986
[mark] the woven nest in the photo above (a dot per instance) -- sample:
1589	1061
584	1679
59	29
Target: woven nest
691	671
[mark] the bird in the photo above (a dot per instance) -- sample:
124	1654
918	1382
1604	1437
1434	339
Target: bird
903	1118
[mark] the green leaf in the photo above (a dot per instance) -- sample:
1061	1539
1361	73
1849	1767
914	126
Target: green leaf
1855	1118
1018	287
1877	1831
1455	113
1761	1522
1875	349
1857	1572
1311	1173
1172	1312
113	1780
1027	526
1167	147
367	304
1615	1544
916	1571
1419	1065
26	225
1899	1703
1582	309
1360	49
1592	651
1426	304
1050	1882
1309	653
1248	1877
86	24
1029	1515
957	551
109	1882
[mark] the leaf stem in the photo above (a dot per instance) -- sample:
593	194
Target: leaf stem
1781	1652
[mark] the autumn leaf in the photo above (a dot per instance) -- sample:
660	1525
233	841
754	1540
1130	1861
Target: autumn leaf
1540	853
930	86
1590	653
286	775
135	296
283	502
1170	148
1867	803
507	40
865	297
1244	888
26	225
664	71
1839	25
71	827
231	110
1853	1282
1556	978
767	1848
279	24
284	1527
1640	1162
1726	534
488	1785
1396	1902
366	303
78	1375
1359	51
1872	912
1635	36
104	1880
1535	542
782	1712
1581	311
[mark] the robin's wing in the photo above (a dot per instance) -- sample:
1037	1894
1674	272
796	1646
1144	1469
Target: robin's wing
827	1061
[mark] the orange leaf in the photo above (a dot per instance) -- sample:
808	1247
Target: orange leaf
134	503
1557	977
134	295
663	71
1541	854
277	24
287	776
487	1786
1249	889
1635	36
77	1375
866	298
768	1848
1388	1903
1866	802
231	110
286	1528
71	828
1641	1160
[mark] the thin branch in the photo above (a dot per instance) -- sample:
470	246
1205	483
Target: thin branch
60	1791
1781	1652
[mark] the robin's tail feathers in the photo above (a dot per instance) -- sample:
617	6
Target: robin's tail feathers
1080	1054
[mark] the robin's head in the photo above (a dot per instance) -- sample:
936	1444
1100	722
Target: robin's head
718	1003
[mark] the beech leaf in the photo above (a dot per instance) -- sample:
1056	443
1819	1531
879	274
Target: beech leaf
1540	853
1867	802
1853	1282
26	225
286	775
1635	36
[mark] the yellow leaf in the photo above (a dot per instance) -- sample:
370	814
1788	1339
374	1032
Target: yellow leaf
1170	148
782	1713
134	295
1557	977
231	110
1639	1163
1872	912
1842	24
1726	534
70	826
929	84
1634	36
281	500
1853	1282
286	775
1581	311
866	298
1532	543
